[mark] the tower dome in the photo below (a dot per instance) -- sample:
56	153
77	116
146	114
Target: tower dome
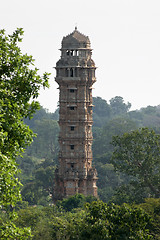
75	40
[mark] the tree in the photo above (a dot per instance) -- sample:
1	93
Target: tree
102	152
152	207
19	83
45	145
51	222
41	114
138	154
124	222
116	126
97	220
76	201
101	111
118	106
38	189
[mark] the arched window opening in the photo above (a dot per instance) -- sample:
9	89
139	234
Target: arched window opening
67	52
71	90
71	72
72	128
66	72
71	52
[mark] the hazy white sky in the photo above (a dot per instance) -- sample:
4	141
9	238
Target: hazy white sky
125	36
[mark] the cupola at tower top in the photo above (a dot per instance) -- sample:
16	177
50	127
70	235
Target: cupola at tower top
76	40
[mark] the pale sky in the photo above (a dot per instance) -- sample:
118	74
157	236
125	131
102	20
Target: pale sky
124	35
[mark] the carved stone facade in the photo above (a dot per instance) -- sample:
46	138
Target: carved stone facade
75	74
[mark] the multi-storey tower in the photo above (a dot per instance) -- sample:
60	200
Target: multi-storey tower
75	74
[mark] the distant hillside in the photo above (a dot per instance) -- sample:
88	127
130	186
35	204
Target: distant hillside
109	119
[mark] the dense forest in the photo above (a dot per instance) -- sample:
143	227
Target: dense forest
115	185
126	154
38	163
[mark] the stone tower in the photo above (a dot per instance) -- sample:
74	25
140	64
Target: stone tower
75	75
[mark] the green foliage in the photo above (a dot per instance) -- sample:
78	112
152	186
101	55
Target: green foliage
116	126
41	162
76	201
41	114
152	207
45	149
115	222
10	231
108	180
96	221
106	125
138	155
38	164
38	189
101	111
51	222
19	82
118	106
45	145
102	152
139	162
147	117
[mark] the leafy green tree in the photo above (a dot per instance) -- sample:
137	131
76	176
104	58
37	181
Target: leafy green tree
38	163
118	106
147	117
117	126
76	201
51	223
152	207
27	167
38	184
19	83
138	154
114	222
101	111
45	145
108	180
39	189
41	114
102	152
96	221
